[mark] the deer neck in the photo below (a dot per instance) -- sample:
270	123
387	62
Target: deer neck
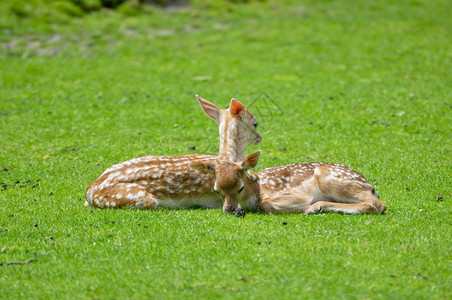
232	143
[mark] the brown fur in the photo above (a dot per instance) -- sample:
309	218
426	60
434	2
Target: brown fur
298	188
150	181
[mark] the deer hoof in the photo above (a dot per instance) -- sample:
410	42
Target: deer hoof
240	213
311	210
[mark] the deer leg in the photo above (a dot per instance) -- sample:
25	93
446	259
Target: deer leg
289	203
346	208
121	195
349	198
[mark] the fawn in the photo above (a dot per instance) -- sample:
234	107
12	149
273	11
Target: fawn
168	181
296	188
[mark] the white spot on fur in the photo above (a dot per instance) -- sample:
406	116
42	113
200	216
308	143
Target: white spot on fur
169	179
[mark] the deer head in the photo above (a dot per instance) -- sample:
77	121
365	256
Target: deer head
232	181
237	127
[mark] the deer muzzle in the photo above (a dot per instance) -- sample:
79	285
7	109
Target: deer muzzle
230	205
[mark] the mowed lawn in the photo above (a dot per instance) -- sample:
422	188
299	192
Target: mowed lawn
366	84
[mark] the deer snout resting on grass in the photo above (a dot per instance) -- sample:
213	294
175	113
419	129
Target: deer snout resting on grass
167	181
297	188
238	189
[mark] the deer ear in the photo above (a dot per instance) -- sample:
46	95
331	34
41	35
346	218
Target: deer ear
211	110
251	161
236	109
205	168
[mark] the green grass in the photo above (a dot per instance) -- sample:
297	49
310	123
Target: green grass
366	84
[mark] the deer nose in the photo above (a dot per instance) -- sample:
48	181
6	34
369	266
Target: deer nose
228	209
258	139
230	204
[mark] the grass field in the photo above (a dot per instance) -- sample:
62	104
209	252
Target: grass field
363	83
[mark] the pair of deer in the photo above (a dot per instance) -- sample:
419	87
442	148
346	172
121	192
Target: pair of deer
224	181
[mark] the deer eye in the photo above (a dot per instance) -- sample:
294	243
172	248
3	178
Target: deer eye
255	125
217	192
241	189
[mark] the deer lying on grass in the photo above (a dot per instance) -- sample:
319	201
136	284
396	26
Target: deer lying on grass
297	188
167	181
